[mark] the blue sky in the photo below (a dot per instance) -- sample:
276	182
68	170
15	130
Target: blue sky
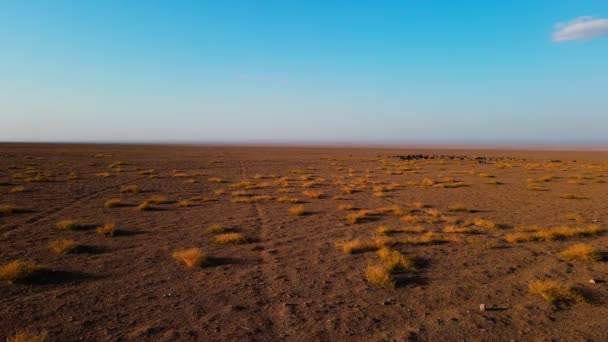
305	71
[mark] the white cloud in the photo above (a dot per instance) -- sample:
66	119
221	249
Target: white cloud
581	28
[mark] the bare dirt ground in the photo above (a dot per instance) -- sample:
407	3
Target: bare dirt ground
289	280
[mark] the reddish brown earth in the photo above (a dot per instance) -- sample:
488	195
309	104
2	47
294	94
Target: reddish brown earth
289	281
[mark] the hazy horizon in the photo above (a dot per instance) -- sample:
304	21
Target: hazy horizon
441	72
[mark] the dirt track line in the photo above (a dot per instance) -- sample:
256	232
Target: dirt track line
48	214
265	269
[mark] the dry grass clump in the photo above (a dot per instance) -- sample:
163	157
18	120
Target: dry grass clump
494	182
485	175
358	216
217	229
239	193
481	223
72	176
28	336
395	261
379	194
38	178
129	189
575	217
262	198
428	238
116	164
393	209
572	196
242	199
181	175
345	207
64	246
191	257
451	185
184	203
385	230
103	174
297	210
554	291
18	188
158	199
226	238
361	246
70	224
215	180
418	205
286	199
7	209
109	229
413	229
313	193
581	252
412	219
145	206
379	275
535	233
459	208
147	172
113	203
459	230
427	182
219	192
535	187
519	237
19	271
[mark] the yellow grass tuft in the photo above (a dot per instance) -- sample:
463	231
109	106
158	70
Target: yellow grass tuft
145	206
191	257
361	246
109	229
158	199
412	219
572	196
358	216
535	187
113	203
286	199
129	189
414	229
313	193
10	209
103	174
427	182
227	238
458	230
481	223
17	189
554	291
457	207
215	180
395	261
575	217
379	275
184	203
393	209
428	238
345	207
581	252
19	271
64	246
28	336
70	224
297	210
217	229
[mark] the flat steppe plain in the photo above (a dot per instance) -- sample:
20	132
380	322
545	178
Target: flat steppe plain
469	234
